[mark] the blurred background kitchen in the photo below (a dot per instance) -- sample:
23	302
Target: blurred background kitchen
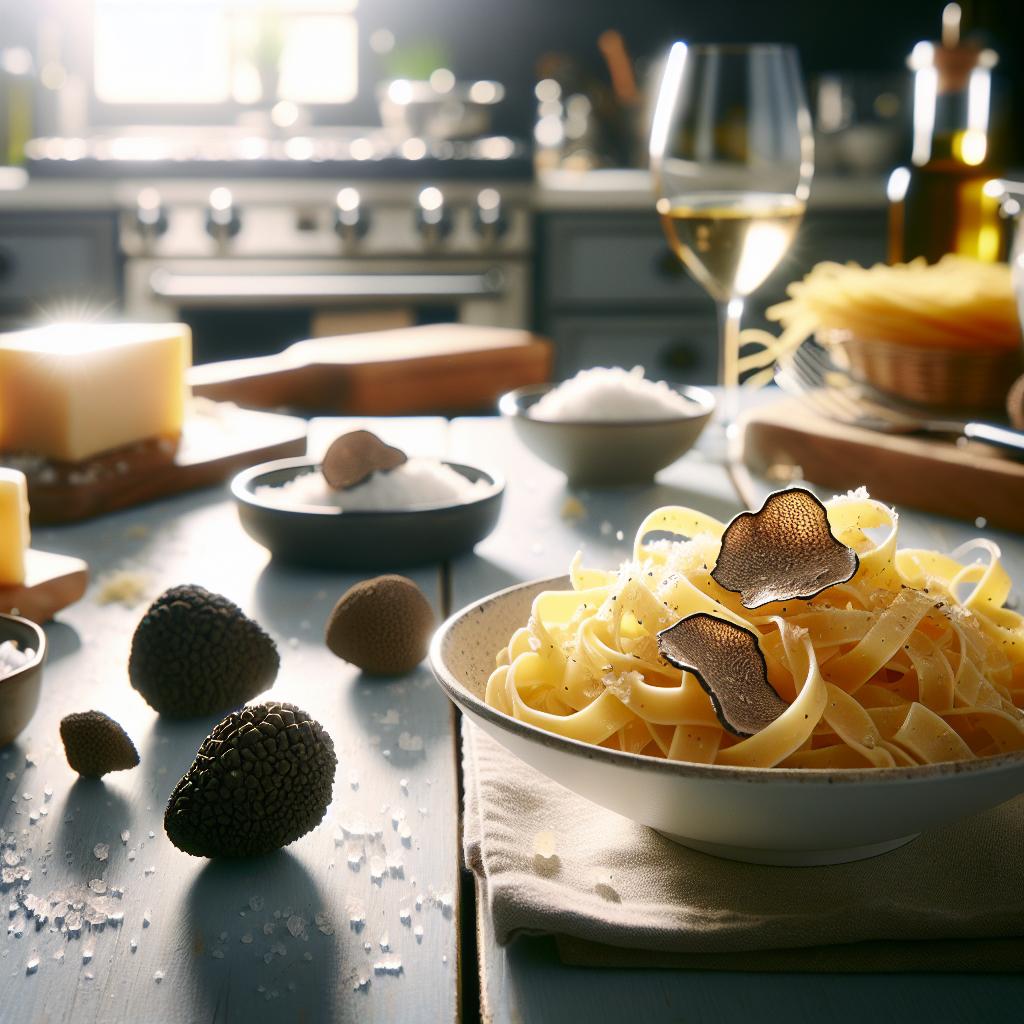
275	171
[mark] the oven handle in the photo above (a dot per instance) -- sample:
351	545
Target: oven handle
306	289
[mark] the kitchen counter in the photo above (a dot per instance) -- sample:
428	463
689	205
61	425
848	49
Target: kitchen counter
610	190
628	189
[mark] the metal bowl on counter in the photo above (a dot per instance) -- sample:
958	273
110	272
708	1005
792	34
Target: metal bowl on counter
607	453
19	689
439	108
331	538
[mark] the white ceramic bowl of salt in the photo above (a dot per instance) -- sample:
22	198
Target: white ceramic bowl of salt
608	427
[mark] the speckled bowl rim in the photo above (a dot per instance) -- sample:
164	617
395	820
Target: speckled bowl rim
40	647
243	482
458	693
511	405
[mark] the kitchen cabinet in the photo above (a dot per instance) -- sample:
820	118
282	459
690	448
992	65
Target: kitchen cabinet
57	263
609	291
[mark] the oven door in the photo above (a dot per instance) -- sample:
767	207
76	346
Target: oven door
255	307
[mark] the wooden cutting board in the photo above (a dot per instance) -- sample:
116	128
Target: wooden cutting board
435	368
52	582
963	481
218	440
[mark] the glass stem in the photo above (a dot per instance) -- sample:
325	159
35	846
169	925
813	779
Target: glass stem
729	315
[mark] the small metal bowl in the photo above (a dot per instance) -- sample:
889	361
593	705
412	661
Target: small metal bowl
19	691
606	453
329	538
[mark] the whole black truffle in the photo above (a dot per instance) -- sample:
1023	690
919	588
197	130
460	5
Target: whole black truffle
195	652
95	744
261	779
382	626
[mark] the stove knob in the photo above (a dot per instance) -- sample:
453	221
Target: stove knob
222	220
489	218
351	218
432	219
150	215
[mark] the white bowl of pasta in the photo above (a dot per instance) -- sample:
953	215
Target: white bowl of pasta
899	693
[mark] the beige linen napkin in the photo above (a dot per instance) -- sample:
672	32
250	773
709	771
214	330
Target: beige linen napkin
616	893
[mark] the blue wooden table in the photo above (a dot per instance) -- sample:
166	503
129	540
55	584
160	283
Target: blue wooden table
370	917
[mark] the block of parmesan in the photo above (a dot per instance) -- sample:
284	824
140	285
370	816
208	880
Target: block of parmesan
14	532
71	391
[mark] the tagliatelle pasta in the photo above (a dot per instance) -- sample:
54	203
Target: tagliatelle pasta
915	660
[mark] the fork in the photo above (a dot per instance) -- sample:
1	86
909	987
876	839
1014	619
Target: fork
810	374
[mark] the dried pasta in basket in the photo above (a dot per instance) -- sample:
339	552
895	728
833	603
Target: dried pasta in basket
957	303
912	659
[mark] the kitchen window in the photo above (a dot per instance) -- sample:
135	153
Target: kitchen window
224	53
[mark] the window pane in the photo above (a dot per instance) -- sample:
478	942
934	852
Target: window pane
319	59
158	51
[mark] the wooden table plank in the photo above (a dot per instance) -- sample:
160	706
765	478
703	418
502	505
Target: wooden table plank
234	940
525	982
534	538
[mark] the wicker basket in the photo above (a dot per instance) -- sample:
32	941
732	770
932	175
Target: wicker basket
946	379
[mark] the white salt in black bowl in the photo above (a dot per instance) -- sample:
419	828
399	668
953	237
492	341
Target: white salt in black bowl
608	453
330	538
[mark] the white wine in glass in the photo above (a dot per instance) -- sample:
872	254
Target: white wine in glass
731	160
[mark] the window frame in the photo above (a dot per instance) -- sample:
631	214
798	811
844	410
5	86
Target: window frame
80	21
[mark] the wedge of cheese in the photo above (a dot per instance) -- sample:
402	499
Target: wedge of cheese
71	391
14	533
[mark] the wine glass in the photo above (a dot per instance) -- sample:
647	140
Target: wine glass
732	156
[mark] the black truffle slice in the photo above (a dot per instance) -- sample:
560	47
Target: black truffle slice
382	625
726	660
261	779
786	551
95	744
195	652
354	456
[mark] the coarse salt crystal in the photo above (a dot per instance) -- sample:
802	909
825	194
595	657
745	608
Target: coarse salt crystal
544	845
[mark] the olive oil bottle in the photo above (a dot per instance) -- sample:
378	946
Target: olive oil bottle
947	199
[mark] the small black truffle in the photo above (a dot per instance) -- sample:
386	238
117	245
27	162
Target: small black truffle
95	744
261	779
382	625
195	652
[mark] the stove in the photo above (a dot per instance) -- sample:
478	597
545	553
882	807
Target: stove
259	242
234	153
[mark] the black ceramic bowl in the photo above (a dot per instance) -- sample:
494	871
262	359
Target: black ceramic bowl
19	691
333	539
